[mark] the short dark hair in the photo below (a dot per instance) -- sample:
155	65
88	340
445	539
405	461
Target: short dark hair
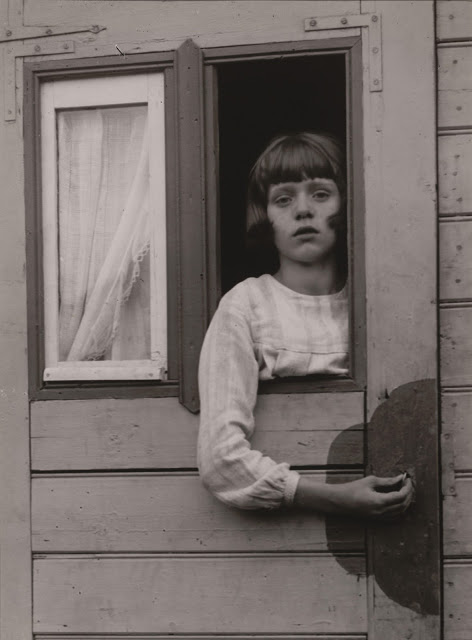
291	158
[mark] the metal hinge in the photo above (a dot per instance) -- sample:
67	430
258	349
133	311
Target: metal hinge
16	35
371	22
26	33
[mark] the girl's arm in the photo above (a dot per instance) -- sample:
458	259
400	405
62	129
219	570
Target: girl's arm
228	381
370	496
243	477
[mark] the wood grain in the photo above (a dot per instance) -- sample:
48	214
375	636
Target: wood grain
455	86
15	541
454	19
198	594
170	513
313	636
456	416
457	523
455	249
457	589
455	185
401	252
157	433
456	346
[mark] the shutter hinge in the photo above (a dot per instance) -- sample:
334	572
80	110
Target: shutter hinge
17	49
371	23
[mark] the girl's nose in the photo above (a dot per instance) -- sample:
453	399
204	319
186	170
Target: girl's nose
303	209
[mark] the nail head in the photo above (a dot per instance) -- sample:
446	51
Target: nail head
8	33
375	18
375	50
313	23
376	81
48	32
343	20
66	46
37	48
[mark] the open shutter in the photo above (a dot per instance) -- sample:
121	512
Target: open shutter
191	212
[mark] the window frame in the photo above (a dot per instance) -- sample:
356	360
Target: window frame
37	73
193	256
351	47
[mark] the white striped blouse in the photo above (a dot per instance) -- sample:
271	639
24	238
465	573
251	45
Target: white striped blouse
260	331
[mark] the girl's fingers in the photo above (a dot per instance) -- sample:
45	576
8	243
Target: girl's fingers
387	482
397	497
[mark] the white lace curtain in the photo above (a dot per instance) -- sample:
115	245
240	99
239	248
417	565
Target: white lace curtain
104	234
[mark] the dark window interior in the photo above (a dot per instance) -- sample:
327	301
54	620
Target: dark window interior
258	100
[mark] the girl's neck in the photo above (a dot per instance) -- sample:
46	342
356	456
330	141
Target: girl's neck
310	279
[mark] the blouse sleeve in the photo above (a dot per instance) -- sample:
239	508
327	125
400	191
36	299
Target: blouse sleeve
228	380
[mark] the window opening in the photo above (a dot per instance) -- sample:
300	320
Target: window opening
257	100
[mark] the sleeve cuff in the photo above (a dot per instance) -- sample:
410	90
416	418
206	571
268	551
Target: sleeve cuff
291	487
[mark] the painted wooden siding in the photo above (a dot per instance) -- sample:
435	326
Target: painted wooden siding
172	513
454	31
199	594
159	433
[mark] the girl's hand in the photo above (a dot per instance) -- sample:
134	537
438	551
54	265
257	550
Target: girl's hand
375	497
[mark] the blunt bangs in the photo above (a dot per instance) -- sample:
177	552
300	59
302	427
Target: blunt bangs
294	158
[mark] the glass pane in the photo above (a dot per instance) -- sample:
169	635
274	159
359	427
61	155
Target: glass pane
104	234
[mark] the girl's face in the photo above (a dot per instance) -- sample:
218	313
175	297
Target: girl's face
303	216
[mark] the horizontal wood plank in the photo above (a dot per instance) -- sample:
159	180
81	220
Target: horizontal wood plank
153	433
455	239
457	609
313	636
455	185
170	513
454	19
456	346
180	20
196	594
457	521
456	416
455	86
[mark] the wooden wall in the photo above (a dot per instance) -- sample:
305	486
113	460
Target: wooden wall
454	50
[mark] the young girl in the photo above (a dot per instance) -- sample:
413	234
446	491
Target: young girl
291	323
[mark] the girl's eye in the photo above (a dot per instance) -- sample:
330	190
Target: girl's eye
282	201
320	195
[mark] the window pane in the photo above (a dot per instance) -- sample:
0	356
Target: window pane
104	234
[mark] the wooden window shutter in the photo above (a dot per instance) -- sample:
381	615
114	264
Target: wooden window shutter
191	218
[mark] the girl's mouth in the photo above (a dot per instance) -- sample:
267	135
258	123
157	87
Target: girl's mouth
304	231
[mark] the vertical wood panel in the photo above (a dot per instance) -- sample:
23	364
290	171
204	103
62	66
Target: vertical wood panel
401	253
455	185
15	544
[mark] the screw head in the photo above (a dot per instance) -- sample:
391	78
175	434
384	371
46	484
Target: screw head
37	48
375	18
375	50
343	20
313	23
48	32
376	82
8	33
65	45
